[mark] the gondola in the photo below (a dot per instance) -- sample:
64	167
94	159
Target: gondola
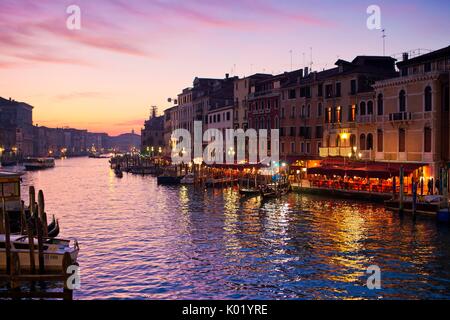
118	172
52	224
249	192
55	231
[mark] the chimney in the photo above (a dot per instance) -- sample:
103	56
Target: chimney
154	111
306	71
227	75
405	56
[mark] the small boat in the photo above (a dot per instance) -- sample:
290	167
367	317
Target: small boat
118	172
272	191
428	205
250	191
38	163
188	179
54	251
169	180
8	163
54	232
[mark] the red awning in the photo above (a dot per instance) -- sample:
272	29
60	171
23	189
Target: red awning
380	170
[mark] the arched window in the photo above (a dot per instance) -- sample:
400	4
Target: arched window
428	99
309	111
362	142
380	105
402	101
362	109
319	110
277	125
370	107
369	142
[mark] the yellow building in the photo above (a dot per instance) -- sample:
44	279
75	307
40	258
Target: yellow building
412	123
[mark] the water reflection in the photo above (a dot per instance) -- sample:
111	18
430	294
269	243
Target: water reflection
140	240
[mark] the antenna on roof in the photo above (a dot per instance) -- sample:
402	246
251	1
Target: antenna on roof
383	31
290	51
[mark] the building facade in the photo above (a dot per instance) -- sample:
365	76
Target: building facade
16	128
413	113
153	135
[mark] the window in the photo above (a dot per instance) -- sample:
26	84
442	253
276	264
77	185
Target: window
308	111
282	147
370	107
292	147
427	139
402	101
338	114
380	142
404	72
446	98
302	147
369	142
428	99
319	110
328	116
292	132
380	105
282	113
308	147
319	132
293	112
276	123
362	109
328	91
338	89
352	140
427	67
401	140
292	94
320	90
353	87
352	113
362	142
303	112
228	116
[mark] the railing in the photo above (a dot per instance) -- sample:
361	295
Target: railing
400	116
335	152
366	119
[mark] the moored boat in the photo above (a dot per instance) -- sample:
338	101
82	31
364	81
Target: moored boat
188	179
427	205
54	252
38	163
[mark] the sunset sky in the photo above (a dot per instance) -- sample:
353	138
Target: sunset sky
131	54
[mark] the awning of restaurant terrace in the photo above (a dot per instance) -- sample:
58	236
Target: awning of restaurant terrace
377	170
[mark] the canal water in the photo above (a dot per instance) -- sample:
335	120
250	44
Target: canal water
143	241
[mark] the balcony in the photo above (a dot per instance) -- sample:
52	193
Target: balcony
400	116
335	152
366	119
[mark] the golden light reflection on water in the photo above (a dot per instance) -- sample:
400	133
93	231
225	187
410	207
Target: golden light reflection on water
141	240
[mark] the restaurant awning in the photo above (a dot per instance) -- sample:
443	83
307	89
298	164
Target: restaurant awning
378	170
